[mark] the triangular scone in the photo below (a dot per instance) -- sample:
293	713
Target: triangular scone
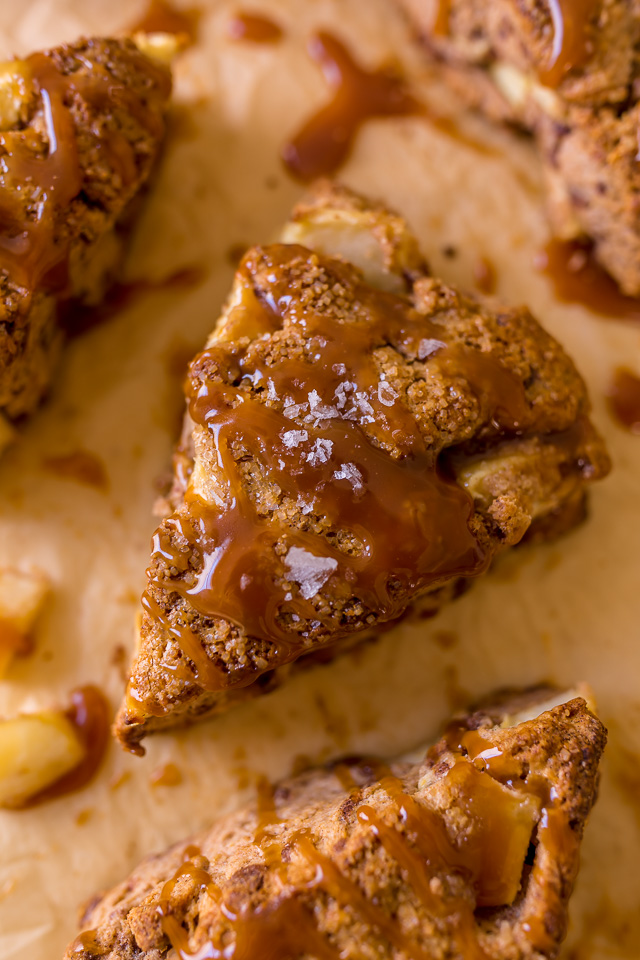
352	446
569	73
471	853
81	126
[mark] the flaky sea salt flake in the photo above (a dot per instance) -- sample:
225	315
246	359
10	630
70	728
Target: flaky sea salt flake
308	571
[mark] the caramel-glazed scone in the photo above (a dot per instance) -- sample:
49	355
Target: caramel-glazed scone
471	853
80	129
359	437
568	71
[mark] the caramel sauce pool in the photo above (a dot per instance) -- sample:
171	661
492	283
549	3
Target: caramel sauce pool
82	466
325	141
253	28
624	399
578	278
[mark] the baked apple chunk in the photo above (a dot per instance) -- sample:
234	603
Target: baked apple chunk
360	437
80	129
470	853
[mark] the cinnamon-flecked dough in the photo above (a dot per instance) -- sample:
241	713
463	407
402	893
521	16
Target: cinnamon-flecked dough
81	128
470	853
575	85
360	439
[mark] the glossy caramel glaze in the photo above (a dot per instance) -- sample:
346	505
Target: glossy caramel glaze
90	715
573	42
33	249
254	28
400	523
624	399
324	142
578	278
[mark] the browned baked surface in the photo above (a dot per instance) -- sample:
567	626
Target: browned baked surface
470	853
574	85
349	451
81	128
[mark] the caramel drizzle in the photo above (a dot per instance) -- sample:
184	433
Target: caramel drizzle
572	43
440	23
410	521
285	928
33	251
414	836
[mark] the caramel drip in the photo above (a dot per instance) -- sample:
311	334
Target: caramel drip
485	276
324	142
167	775
253	28
169	924
29	250
282	930
82	466
624	399
90	715
163	17
577	277
348	893
266	811
406	522
203	671
440	24
35	186
572	38
86	943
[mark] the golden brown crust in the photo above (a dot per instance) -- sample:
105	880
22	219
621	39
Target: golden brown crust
512	480
114	99
256	857
585	123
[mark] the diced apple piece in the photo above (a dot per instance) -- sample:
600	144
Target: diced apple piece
374	240
21	598
35	750
158	46
14	84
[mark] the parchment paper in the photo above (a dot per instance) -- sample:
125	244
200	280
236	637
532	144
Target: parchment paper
564	612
